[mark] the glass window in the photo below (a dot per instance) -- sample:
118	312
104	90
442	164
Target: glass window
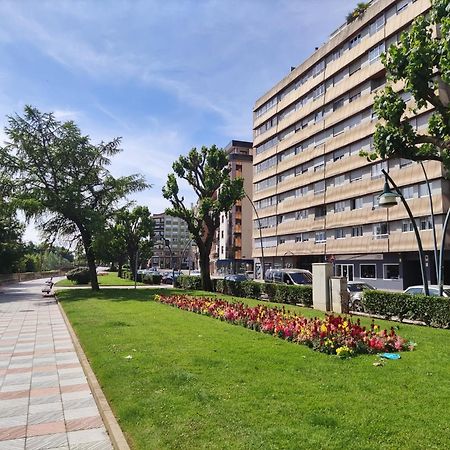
356	203
319	91
357	231
339	233
376	52
407	226
320	237
391	271
368	271
380	230
319	187
425	223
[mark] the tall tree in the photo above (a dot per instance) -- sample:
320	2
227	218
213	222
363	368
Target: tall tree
135	228
421	61
61	178
207	172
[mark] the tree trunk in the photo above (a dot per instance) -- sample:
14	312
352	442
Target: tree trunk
120	261
90	258
204	251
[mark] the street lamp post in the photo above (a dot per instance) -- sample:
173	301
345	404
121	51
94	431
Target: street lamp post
260	234
167	243
388	199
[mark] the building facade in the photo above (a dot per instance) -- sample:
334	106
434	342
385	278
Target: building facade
173	247
233	243
316	197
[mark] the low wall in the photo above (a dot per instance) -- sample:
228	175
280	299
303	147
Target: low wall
26	276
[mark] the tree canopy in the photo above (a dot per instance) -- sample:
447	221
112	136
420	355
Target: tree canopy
421	62
61	178
207	173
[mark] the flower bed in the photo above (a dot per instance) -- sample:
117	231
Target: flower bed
336	335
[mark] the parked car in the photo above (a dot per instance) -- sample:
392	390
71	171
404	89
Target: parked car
288	276
195	273
250	274
238	277
432	288
169	277
355	290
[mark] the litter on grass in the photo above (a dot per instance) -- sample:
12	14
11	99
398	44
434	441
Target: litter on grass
390	356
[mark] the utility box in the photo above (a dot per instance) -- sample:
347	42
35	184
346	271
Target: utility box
339	295
322	272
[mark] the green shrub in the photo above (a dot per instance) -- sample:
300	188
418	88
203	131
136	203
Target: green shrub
251	289
80	275
188	282
284	293
152	278
434	311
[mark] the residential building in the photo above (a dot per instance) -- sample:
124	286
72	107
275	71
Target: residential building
173	245
315	195
233	243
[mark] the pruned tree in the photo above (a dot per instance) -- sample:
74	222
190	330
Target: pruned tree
207	173
134	227
61	178
421	61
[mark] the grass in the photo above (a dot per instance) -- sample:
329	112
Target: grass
110	279
196	382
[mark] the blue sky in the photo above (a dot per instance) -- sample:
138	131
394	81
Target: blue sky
166	76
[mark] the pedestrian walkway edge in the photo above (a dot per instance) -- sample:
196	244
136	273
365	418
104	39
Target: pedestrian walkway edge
115	432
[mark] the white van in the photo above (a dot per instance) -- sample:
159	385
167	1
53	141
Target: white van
288	276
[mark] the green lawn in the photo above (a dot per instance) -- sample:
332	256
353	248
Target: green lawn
111	279
198	383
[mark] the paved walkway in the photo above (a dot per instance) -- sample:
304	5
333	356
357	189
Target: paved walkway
45	401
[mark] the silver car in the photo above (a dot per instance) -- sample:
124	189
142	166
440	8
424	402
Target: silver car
433	289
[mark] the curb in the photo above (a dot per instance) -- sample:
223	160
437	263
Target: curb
112	426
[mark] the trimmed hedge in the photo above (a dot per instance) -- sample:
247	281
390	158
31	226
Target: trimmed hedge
188	282
151	278
431	310
284	293
80	275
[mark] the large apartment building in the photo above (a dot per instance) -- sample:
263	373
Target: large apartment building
317	199
173	246
233	243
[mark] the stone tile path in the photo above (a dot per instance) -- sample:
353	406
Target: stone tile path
45	401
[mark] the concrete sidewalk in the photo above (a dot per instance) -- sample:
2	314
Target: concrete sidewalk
45	400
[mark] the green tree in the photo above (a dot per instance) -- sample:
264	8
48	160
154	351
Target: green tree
135	228
207	172
11	230
61	178
421	61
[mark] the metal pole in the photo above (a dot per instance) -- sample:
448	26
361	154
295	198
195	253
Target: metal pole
135	267
260	235
441	253
416	231
436	257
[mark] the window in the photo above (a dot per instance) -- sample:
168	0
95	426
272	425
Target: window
318	116
319	91
356	203
302	214
338	154
282	240
423	190
355	41
425	223
377	25
339	233
355	175
319	187
376	52
354	67
319	164
320	237
368	271
405	162
339	180
339	206
338	104
303	237
408	192
380	230
376	83
407	225
376	169
357	231
401	5
318	68
221	234
320	211
391	272
354	96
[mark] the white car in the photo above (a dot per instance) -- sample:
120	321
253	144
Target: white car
432	288
355	290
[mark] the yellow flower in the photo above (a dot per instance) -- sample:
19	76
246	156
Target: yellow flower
323	328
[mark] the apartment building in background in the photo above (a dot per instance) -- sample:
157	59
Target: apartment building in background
173	245
316	197
233	242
